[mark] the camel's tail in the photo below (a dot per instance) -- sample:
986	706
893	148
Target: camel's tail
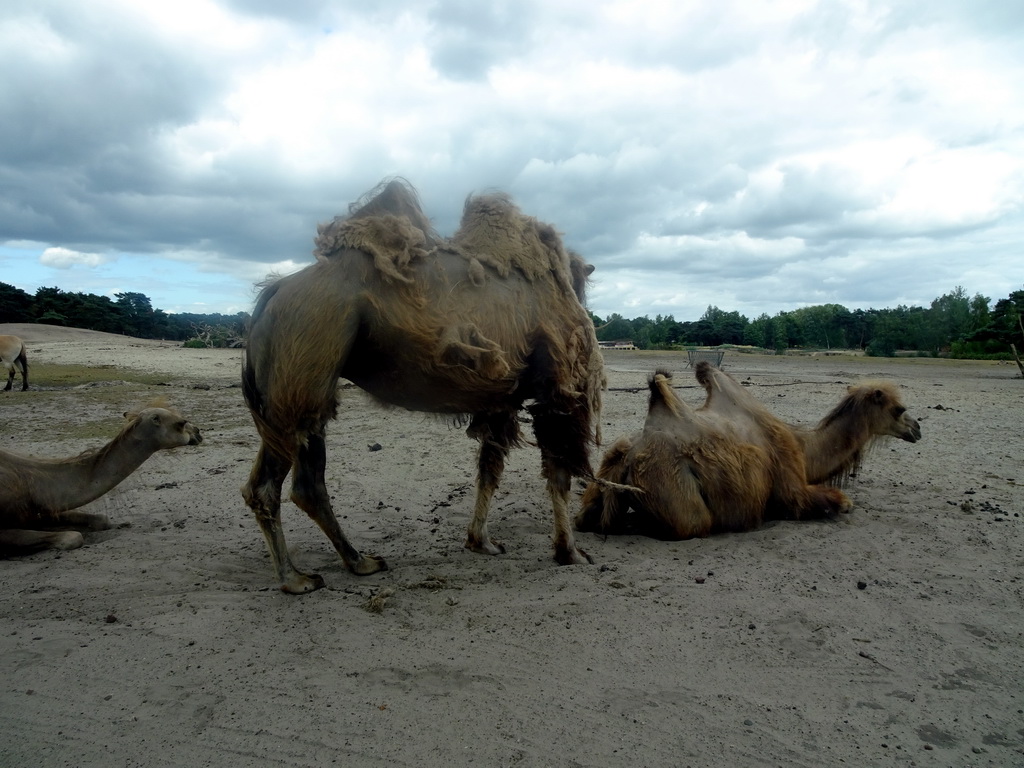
250	389
283	443
255	398
662	395
22	360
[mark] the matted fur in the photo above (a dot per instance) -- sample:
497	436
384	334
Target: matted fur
478	326
14	358
731	464
41	494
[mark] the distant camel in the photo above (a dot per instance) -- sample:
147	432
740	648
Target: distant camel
38	497
730	464
12	355
475	327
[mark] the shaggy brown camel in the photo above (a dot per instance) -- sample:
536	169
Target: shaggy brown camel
475	327
12	355
730	464
39	497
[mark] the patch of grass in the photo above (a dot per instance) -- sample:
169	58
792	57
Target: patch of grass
51	375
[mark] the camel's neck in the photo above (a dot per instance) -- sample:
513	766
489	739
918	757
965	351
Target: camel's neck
833	450
74	482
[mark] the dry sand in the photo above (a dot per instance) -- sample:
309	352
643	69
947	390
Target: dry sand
894	636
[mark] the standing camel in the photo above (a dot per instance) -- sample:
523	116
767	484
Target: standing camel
12	355
39	497
476	326
730	464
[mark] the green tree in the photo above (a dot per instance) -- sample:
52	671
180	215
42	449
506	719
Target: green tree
97	313
789	331
758	331
138	314
887	331
1002	329
50	306
617	327
980	313
15	305
949	320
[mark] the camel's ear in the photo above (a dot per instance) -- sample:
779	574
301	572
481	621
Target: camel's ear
589	269
878	396
126	414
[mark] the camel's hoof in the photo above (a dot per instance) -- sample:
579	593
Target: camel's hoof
67	540
574	556
368	564
97	523
301	584
488	547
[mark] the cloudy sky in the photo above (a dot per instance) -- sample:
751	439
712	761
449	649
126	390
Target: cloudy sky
754	155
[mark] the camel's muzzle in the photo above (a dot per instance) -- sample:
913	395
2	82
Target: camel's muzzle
913	431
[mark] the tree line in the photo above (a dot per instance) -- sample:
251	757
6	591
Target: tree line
129	313
954	325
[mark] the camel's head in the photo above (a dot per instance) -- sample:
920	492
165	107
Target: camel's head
165	427
879	403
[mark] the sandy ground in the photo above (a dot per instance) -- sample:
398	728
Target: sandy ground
894	636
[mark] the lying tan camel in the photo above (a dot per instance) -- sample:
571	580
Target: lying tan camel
12	356
730	464
39	497
472	327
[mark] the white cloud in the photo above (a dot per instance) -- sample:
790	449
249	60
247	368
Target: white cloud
64	258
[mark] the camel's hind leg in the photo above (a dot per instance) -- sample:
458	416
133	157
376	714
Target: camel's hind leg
310	494
263	495
566	551
604	508
562	435
496	436
672	506
559	483
10	377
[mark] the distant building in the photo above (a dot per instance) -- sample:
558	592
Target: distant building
621	344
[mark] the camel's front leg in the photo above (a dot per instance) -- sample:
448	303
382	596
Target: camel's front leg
491	465
310	494
26	542
263	495
76	520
